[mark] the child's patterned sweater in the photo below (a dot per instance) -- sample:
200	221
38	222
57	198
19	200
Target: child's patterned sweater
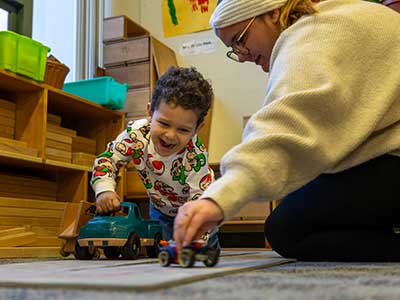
170	181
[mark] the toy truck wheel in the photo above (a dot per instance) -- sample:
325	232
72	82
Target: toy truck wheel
64	253
83	253
212	257
131	249
164	258
111	252
186	258
152	251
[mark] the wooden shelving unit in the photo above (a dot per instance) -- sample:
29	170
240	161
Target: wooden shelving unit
61	187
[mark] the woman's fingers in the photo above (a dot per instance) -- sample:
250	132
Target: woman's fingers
194	219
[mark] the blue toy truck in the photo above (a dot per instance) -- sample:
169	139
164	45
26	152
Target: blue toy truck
120	235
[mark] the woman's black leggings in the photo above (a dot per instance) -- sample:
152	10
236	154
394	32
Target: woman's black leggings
347	216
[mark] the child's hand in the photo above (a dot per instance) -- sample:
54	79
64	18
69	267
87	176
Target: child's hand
107	202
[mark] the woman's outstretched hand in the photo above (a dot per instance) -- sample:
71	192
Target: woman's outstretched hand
195	218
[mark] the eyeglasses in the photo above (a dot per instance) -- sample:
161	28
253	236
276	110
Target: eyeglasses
238	47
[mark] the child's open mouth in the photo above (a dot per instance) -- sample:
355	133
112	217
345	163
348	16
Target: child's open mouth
166	145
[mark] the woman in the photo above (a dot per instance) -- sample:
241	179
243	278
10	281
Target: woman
326	141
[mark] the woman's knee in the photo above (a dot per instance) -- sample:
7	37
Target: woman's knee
277	232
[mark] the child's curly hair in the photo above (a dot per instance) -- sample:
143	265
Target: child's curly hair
185	87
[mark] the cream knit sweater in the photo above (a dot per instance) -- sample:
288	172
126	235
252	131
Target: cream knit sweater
332	102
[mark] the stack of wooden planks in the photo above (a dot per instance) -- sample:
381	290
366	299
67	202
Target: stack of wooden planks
27	187
63	144
39	237
7	131
58	140
83	151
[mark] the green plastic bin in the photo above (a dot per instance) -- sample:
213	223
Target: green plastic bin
102	90
22	55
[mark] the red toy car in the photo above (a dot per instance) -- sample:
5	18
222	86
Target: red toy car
196	251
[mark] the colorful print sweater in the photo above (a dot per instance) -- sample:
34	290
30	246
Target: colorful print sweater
170	181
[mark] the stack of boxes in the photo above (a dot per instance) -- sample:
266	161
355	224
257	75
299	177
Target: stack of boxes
127	59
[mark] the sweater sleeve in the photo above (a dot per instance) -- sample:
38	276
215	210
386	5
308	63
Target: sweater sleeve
200	175
319	108
127	146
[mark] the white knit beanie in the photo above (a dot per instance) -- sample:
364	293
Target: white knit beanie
230	12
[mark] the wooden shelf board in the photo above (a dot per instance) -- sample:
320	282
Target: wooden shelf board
25	252
64	165
60	103
12	82
14	157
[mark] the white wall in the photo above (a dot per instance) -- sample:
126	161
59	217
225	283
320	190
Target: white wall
54	25
3	19
239	88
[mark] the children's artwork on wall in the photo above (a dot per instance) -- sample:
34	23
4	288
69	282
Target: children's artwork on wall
186	16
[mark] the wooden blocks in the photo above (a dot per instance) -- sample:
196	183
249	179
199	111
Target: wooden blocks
10	145
43	217
53	119
61	130
58	145
82	158
17	236
82	144
29	187
63	144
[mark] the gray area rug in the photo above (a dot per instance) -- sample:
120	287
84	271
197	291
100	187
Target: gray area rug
297	281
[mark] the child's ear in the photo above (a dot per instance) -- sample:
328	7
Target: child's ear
199	127
149	113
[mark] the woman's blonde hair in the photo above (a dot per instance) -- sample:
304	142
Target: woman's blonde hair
294	9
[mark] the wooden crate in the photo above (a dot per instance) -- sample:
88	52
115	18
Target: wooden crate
121	28
136	102
135	75
133	50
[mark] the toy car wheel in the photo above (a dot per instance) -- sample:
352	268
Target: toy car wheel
164	258
186	258
83	253
152	251
212	257
131	249
111	252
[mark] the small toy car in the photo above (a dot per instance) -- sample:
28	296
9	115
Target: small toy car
196	251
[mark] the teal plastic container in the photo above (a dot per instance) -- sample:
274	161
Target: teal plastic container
102	90
22	55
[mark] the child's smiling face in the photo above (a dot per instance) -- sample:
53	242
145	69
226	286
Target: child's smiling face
172	127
